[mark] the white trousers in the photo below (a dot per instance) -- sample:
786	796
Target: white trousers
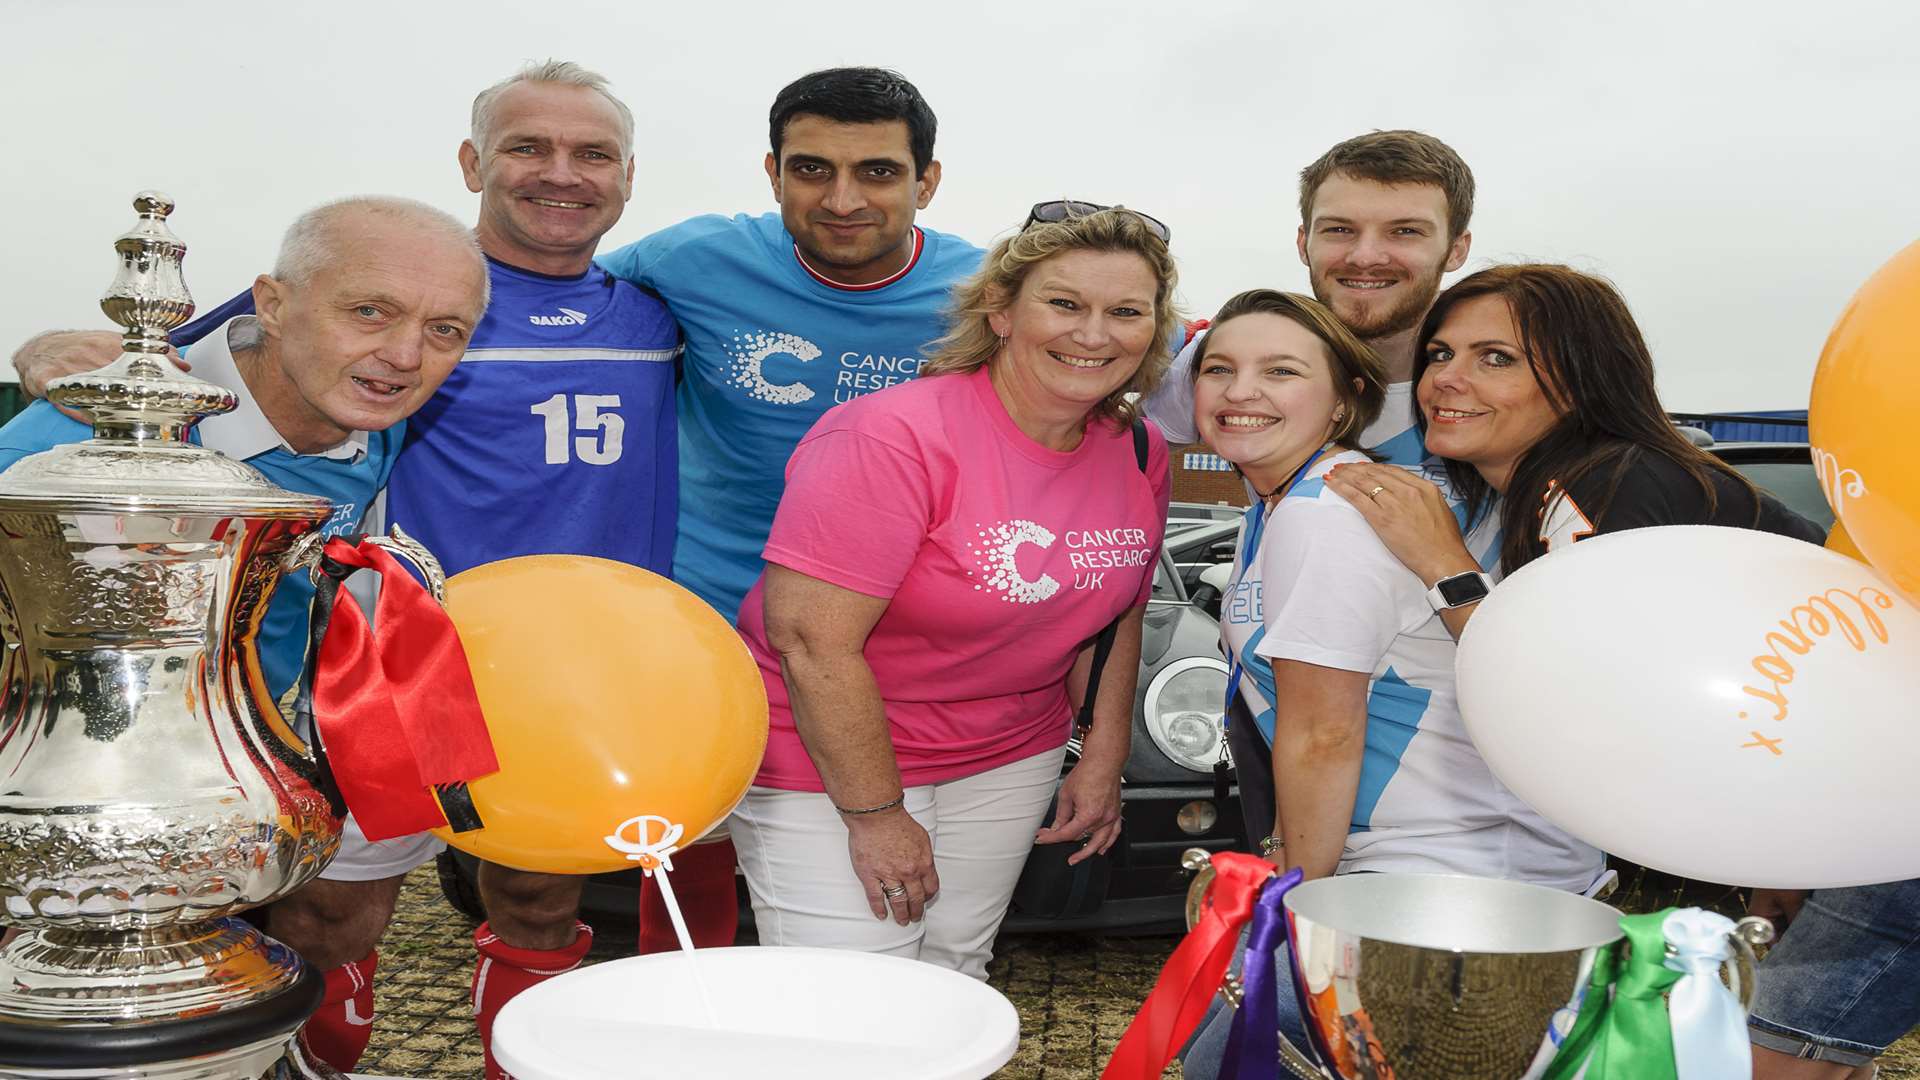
793	851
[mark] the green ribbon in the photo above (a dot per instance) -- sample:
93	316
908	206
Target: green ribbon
1622	1032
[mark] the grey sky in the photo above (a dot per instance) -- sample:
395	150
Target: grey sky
1738	169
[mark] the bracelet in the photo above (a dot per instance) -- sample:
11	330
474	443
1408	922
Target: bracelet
888	805
1271	844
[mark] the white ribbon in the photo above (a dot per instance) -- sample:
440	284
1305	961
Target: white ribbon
1709	1026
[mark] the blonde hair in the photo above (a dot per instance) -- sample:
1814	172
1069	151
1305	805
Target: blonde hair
970	342
557	72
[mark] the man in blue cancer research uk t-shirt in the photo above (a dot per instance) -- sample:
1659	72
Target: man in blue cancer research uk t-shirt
370	305
786	315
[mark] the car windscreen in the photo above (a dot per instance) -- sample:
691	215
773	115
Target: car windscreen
1164	585
1793	483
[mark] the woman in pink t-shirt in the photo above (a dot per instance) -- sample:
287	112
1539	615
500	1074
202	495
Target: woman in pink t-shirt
944	554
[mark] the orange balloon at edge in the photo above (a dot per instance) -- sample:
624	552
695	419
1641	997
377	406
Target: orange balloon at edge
1839	541
1862	404
537	631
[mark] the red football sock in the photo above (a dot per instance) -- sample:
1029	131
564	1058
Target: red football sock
338	1033
504	971
703	883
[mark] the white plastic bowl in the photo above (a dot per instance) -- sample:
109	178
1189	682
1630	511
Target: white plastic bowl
788	1012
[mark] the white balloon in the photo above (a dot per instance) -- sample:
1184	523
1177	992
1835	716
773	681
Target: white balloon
1724	704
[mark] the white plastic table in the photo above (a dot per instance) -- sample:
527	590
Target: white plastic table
795	1013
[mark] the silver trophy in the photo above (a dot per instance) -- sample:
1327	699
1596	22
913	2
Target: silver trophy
1442	977
149	786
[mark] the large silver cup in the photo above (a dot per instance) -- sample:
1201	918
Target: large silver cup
1414	975
1441	977
149	787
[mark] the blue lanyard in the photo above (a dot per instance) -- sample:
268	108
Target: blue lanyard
1250	550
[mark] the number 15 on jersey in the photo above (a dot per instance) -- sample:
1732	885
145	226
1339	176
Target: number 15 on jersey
582	426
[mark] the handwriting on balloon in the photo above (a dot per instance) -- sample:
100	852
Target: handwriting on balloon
1850	614
1837	483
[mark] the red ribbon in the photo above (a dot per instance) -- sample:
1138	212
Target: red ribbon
1193	973
397	711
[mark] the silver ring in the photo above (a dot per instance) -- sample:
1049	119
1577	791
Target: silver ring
1375	493
893	892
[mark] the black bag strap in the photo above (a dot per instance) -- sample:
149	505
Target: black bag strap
1103	644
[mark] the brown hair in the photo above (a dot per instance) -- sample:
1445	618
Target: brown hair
1353	360
970	343
1592	363
1396	157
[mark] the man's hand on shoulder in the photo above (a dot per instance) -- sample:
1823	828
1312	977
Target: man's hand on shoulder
46	357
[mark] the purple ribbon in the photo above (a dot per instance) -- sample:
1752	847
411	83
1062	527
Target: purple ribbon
1253	1043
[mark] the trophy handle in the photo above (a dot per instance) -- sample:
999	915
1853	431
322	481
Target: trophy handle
305	554
1748	933
1200	863
406	547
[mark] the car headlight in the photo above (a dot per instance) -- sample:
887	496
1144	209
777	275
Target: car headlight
1183	707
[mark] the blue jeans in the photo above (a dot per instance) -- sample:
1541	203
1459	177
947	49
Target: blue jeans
1844	981
1205	1052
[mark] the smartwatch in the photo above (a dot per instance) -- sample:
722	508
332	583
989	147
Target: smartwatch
1459	590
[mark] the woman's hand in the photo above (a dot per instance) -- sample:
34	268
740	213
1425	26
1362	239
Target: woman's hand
1409	514
890	851
1086	809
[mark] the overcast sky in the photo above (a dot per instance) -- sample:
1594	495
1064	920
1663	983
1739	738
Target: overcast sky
1738	169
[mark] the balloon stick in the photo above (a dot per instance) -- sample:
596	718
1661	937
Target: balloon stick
686	939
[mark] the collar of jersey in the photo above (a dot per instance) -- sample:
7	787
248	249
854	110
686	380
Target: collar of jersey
919	245
537	275
246	431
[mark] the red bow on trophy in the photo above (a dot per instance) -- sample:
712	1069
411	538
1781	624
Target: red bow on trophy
395	708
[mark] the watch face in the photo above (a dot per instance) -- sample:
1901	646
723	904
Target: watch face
1462	589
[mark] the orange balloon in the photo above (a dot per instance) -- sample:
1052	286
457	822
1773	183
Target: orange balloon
1866	395
1839	541
611	693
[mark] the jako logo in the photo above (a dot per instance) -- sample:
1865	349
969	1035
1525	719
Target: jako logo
567	317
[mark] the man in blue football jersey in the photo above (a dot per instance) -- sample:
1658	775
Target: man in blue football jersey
559	438
370	304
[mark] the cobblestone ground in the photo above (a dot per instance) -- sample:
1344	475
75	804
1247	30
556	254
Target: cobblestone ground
1075	995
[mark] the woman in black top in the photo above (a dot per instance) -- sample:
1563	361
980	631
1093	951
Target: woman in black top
1536	389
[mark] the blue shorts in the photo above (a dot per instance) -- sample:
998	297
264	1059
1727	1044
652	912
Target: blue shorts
1844	981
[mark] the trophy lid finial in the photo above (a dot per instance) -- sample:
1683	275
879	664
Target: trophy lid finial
153	204
142	395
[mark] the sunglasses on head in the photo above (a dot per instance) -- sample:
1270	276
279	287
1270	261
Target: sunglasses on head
1059	210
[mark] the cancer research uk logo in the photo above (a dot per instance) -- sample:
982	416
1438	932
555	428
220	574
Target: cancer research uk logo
859	373
1091	553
